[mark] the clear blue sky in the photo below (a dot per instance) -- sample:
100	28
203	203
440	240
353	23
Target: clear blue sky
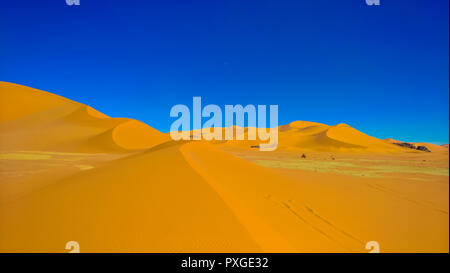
381	69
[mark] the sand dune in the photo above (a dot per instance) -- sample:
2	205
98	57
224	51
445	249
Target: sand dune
312	136
71	173
36	120
339	137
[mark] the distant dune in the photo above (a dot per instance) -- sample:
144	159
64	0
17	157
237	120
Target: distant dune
71	173
313	136
339	137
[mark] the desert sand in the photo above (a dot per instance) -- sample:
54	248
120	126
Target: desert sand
71	173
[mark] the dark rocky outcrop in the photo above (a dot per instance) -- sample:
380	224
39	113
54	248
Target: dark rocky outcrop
423	148
406	145
412	146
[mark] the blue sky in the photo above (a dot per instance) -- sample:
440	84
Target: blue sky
381	69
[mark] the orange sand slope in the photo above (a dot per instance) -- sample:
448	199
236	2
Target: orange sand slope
70	173
35	119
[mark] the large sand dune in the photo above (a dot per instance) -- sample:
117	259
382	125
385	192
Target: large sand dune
71	173
36	120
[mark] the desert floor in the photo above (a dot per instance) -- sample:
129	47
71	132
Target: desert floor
198	197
